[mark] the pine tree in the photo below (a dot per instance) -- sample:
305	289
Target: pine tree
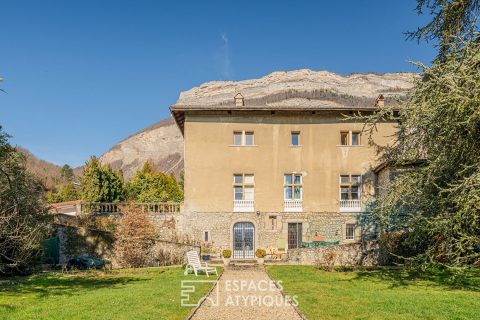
150	185
101	183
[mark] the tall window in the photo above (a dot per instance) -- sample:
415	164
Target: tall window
243	138
350	231
237	138
292	186
206	236
349	187
295	138
350	138
355	138
249	138
344	140
294	235
243	186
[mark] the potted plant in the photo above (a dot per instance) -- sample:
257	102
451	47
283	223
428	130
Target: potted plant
226	254
260	254
206	252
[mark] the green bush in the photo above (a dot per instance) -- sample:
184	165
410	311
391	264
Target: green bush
260	253
227	253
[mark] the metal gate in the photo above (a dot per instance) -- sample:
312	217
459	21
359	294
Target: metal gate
243	240
51	251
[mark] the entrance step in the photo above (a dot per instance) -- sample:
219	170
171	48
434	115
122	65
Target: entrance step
245	265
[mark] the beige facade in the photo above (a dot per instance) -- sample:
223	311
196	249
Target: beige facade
277	179
212	159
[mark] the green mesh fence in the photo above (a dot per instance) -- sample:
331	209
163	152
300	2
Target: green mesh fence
316	244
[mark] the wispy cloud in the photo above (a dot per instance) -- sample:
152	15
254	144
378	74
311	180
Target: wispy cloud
222	58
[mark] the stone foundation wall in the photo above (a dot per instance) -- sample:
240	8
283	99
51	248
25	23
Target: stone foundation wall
180	232
352	254
220	226
75	239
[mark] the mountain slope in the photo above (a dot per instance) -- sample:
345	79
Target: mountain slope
48	173
160	144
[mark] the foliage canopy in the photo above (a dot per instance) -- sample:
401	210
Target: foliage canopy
101	183
24	219
150	185
453	22
437	204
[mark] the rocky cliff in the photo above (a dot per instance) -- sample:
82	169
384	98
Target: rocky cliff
301	88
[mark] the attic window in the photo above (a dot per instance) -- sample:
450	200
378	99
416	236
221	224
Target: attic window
380	102
239	100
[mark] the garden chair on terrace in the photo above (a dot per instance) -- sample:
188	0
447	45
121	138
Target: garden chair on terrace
195	265
280	247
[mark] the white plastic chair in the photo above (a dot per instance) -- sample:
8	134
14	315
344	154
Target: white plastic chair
195	265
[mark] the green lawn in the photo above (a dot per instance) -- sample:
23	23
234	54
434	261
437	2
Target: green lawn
152	293
382	294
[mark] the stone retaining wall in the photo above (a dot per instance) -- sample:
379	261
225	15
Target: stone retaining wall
76	239
188	228
353	254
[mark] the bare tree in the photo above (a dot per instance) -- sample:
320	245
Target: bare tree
135	237
24	219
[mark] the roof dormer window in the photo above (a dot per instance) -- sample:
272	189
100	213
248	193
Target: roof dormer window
239	100
380	102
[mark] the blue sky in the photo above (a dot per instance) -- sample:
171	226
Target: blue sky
82	75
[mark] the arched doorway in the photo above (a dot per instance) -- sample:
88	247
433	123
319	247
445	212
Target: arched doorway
243	240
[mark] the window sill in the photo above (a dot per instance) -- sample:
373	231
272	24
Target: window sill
295	146
351	210
243	146
350	146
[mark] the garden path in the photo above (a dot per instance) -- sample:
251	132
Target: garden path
246	294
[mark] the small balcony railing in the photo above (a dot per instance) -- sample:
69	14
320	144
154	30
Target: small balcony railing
243	205
350	205
293	205
113	208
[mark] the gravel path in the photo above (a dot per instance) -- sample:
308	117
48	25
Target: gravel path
246	295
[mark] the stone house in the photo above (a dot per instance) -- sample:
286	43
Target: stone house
276	162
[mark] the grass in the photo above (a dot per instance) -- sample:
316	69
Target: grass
380	294
151	293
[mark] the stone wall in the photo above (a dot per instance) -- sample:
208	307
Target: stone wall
352	254
75	241
220	226
81	236
181	232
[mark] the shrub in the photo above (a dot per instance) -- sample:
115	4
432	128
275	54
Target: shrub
260	253
135	237
226	253
326	261
67	192
394	245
